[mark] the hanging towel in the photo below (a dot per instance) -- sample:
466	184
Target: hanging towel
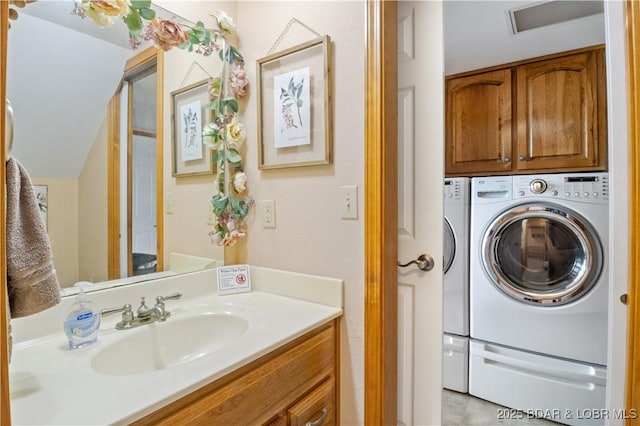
32	283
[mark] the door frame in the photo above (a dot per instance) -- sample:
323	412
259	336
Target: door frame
380	244
632	398
381	214
133	66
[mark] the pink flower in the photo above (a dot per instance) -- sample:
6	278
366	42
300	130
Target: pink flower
234	237
216	238
239	80
168	34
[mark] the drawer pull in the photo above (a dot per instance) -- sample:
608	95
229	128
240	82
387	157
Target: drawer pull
320	419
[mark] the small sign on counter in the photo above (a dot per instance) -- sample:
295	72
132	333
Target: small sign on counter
233	279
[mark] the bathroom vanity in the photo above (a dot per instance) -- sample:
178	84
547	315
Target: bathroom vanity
269	356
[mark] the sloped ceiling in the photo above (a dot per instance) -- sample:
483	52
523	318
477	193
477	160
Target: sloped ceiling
59	82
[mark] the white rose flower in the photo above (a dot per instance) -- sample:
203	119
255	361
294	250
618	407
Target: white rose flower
211	135
235	133
240	182
225	22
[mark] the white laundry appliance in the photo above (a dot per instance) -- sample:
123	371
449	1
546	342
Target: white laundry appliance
539	293
455	361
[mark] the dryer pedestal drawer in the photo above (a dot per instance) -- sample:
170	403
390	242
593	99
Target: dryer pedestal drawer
455	363
560	390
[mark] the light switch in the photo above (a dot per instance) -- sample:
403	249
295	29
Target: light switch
349	202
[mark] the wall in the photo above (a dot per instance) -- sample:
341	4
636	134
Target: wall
92	211
62	220
309	236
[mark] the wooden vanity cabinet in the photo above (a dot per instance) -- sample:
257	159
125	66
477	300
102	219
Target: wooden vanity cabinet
293	385
558	106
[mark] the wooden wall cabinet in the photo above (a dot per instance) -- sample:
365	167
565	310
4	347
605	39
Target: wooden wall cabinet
558	104
294	385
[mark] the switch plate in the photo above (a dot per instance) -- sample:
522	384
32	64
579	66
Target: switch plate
268	214
168	203
349	202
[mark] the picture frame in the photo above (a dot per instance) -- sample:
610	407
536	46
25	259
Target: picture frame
42	195
190	155
294	106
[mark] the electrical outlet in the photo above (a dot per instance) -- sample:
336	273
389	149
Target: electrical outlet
349	202
269	213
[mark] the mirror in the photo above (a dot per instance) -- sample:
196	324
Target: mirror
62	72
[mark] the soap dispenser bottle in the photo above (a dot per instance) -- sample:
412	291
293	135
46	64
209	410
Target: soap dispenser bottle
82	321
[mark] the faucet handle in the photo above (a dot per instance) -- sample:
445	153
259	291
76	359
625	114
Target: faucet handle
173	296
125	309
127	315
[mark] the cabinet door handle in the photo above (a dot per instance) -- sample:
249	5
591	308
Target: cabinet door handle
320	419
506	159
521	158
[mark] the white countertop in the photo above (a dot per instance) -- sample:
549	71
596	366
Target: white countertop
53	385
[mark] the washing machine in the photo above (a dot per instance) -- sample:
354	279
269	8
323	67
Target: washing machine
455	346
539	292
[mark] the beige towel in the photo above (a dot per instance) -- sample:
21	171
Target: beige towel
31	279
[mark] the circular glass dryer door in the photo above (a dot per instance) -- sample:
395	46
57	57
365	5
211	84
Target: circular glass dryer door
449	251
542	254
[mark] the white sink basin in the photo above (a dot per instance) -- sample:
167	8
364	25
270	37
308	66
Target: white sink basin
166	344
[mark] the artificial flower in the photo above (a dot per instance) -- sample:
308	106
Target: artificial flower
233	237
101	12
225	22
168	34
240	182
211	135
216	238
239	80
235	134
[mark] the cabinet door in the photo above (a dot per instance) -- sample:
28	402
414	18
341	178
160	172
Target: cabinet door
478	123
316	409
561	113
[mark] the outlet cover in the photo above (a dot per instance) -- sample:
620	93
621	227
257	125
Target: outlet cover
268	214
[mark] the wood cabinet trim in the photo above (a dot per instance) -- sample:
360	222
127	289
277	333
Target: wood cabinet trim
526	61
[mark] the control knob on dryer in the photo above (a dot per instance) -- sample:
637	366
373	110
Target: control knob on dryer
538	186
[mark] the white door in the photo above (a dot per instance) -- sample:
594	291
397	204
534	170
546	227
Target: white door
420	210
143	204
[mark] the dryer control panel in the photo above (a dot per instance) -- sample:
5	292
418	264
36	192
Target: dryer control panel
585	187
456	190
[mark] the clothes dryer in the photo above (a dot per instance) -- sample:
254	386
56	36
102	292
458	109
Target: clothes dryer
539	291
456	284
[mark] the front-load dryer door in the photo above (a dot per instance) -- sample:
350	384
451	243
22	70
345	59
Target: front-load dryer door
449	251
542	254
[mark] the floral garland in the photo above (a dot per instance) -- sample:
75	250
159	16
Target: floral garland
224	134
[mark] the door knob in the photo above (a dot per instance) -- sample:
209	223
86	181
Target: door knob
424	261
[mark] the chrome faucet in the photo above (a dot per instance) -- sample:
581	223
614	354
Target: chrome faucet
145	314
158	312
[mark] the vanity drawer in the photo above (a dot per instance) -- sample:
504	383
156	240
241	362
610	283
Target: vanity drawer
264	389
318	408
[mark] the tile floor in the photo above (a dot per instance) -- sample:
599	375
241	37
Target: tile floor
460	409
